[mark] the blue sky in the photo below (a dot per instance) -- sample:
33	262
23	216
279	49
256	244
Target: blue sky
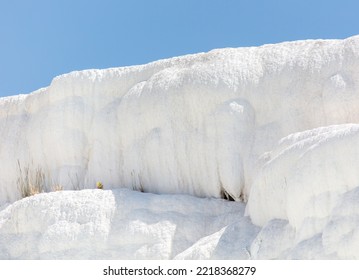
40	39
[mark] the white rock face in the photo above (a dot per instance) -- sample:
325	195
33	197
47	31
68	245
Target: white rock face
118	224
275	126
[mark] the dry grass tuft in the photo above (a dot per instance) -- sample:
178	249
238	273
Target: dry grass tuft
30	182
57	188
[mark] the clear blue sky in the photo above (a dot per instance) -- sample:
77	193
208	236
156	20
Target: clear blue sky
40	39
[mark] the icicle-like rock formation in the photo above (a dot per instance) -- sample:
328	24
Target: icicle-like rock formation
275	126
